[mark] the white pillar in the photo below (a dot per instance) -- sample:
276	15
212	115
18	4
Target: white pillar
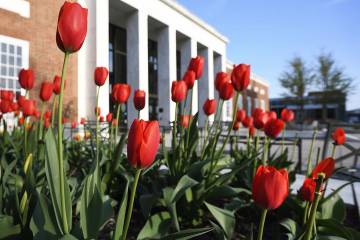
206	83
166	73
137	60
102	49
188	49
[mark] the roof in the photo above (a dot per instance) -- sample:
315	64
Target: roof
186	13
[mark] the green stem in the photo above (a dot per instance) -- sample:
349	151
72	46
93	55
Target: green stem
174	217
306	212
333	151
97	174
41	126
255	160
262	223
25	135
310	223
117	121
175	127
53	112
138	115
283	139
308	170
131	203
60	148
265	150
205	135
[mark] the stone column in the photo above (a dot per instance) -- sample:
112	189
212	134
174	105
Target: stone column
137	60
166	73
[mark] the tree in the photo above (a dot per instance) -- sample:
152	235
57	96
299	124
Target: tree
331	79
296	81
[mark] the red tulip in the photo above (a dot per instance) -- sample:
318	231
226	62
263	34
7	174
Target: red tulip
121	92
143	143
7	95
114	122
240	77
325	166
64	120
184	120
100	75
273	127
271	115
178	91
226	91
307	190
20	100
270	187
26	79
73	124
240	115
47	114
338	136
236	126
197	64
82	121
260	118
37	114
248	122
209	107
252	131
47	123
5	106
287	115
46	91
101	119
21	121
28	107
221	78
109	117
15	107
139	99
57	84
71	27
189	78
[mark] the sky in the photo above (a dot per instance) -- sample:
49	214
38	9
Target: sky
269	33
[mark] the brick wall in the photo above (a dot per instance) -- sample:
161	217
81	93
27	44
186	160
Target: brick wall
45	58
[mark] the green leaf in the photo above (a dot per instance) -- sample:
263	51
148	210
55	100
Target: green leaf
292	229
334	208
147	201
121	215
7	227
53	178
187	234
225	191
185	183
224	217
157	226
332	227
68	237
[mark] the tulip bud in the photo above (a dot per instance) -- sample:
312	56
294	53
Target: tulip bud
57	84
73	124
28	107
100	75
178	91
248	122
273	128
197	64
240	77
221	78
287	115
326	166
184	120
109	117
236	126
46	91
189	78
226	91
120	92
307	190
338	136
139	99
26	79
240	115
209	107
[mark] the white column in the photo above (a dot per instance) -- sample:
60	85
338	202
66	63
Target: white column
166	73
206	83
188	50
137	60
86	65
102	49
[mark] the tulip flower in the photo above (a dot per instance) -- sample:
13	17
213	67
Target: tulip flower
273	127
109	117
197	64
71	27
121	92
139	99
21	121
252	131
236	126
5	106
100	75
240	115
73	124
307	190
82	121
26	79
47	123
226	91
64	120
7	95
221	78
287	115
28	107
270	188
101	119
189	77
57	82
338	136
20	100
46	91
240	77
114	122
178	91
325	166
209	107
271	115
248	122
260	118
184	120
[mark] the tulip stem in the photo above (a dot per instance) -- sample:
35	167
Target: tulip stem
53	112
262	223
308	170
306	212
255	160
97	174
333	151
265	150
131	203
25	136
117	121
311	222
138	115
283	139
60	148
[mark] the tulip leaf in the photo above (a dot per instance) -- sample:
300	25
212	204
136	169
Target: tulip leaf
157	226
291	228
147	201
53	177
185	183
120	220
332	227
224	217
7	227
334	208
187	234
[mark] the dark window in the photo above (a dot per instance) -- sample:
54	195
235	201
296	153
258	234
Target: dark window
153	79
178	65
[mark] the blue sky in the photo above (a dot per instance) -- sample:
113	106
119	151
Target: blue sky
268	33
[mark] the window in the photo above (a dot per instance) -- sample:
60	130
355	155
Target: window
248	105
14	55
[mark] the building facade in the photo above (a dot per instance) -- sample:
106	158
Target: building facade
146	44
